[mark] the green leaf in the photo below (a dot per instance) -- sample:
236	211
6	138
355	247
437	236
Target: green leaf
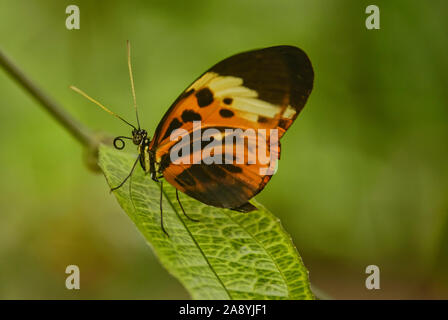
227	255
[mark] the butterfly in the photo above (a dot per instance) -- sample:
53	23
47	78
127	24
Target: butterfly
261	90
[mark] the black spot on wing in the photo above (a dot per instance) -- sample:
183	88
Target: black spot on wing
282	123
174	124
226	113
204	97
190	116
262	119
227	100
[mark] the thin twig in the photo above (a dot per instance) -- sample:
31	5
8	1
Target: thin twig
84	135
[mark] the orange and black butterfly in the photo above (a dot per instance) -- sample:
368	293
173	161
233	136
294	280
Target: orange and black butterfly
262	89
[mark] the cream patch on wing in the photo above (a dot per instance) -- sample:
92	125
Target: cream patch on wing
203	81
243	99
289	112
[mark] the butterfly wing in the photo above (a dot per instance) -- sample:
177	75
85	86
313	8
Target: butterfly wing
225	178
259	89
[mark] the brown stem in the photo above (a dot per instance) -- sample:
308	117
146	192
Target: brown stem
81	133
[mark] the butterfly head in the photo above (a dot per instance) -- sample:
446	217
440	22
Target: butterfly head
139	136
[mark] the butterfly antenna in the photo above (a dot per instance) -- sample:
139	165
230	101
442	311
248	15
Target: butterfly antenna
100	105
128	45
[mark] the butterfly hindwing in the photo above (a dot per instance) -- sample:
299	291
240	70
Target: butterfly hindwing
260	89
223	178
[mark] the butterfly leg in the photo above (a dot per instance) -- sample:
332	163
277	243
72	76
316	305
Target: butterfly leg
161	209
180	204
125	179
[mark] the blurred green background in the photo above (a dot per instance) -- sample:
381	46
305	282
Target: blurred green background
363	174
